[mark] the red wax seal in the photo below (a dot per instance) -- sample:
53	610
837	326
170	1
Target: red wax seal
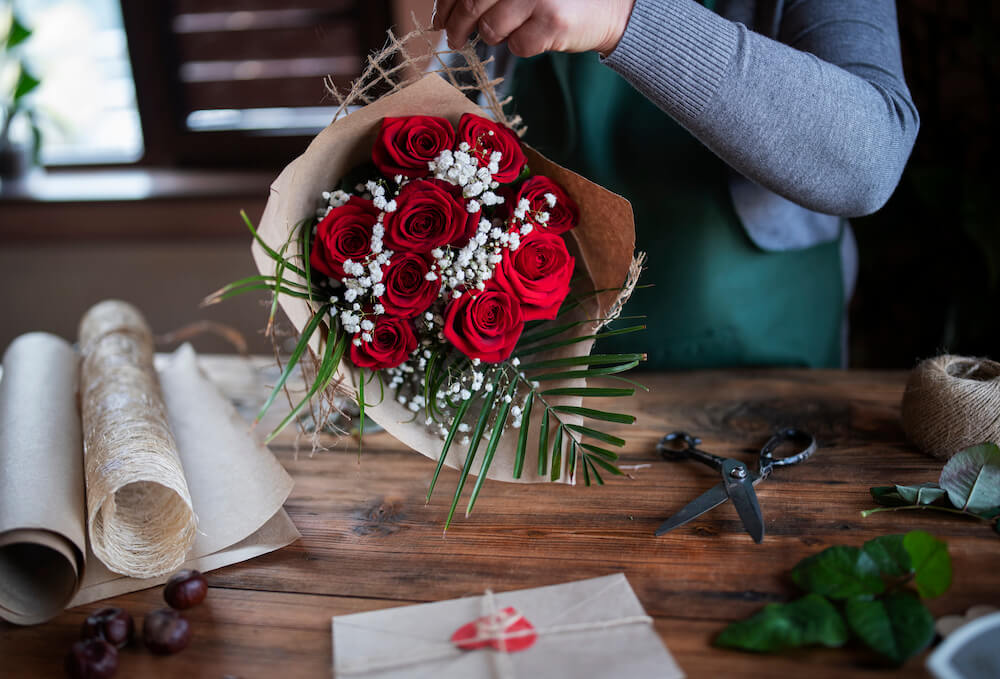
507	631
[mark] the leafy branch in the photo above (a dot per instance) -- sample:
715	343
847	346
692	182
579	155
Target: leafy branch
969	486
873	593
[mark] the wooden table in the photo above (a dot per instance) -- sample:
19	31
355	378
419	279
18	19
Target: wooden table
368	540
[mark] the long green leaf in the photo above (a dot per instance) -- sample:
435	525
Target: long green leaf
268	250
543	445
306	235
597	450
586	472
532	337
459	414
328	367
491	448
556	468
590	359
484	417
593	433
591	372
571	460
307	333
596	414
252	288
522	438
588	392
576	340
604	463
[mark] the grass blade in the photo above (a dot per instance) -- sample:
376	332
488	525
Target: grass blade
602	415
522	439
491	448
459	414
267	248
590	359
607	465
484	417
556	469
588	391
591	372
307	333
543	445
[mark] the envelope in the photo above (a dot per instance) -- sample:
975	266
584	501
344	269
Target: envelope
591	628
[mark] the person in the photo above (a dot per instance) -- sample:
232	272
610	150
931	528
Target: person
744	132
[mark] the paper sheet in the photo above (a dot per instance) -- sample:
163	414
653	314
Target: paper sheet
611	641
237	486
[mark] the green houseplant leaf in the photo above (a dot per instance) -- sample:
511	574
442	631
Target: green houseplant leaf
922	494
931	563
839	572
806	621
890	555
896	625
972	478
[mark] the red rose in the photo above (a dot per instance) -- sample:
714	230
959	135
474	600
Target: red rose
392	342
563	216
345	233
427	216
405	145
538	274
473	219
484	325
485	137
407	290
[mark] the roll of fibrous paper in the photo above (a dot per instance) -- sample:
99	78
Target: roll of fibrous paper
42	538
139	512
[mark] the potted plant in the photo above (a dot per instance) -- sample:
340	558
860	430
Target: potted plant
17	157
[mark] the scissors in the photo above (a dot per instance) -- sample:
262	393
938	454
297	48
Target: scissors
737	480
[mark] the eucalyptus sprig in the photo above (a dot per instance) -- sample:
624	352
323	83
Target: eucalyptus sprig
969	486
872	593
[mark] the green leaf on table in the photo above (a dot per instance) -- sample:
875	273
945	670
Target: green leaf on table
931	563
888	496
839	573
972	478
897	625
922	494
809	620
890	555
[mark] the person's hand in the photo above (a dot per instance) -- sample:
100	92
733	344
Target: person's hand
534	26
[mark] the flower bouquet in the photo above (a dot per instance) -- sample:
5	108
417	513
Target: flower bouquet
453	282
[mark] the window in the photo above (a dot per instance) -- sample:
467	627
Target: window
87	99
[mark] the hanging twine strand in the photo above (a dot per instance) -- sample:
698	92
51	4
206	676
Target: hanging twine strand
139	514
952	403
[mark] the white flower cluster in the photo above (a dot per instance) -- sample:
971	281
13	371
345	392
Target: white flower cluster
462	169
332	199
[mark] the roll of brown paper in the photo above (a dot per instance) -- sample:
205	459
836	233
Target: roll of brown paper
952	403
139	512
42	539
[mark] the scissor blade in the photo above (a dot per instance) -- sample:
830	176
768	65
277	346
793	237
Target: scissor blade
738	482
707	501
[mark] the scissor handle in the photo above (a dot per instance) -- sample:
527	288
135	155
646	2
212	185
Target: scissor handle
767	459
669	449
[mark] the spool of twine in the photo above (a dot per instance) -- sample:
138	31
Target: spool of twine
951	403
139	514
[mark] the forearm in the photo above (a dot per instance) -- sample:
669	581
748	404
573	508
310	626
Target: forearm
831	138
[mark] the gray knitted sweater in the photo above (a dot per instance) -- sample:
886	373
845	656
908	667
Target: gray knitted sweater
804	99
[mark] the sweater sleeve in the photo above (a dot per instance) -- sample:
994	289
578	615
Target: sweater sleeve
822	116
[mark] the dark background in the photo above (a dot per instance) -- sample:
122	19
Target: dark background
930	260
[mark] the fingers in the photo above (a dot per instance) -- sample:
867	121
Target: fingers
503	19
531	38
440	13
463	18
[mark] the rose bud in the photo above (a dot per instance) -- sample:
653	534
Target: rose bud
345	233
185	589
405	145
544	195
537	273
485	137
427	216
392	341
92	659
165	631
484	325
113	625
407	290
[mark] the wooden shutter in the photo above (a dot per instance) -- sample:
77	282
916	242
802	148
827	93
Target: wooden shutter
224	59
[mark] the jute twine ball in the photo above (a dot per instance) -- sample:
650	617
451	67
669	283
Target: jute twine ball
139	514
951	403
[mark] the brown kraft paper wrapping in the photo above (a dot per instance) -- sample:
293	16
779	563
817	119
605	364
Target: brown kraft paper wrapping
42	534
140	518
603	243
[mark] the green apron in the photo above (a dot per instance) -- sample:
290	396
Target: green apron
716	299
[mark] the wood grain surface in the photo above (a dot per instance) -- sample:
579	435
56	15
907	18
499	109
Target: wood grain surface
369	541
